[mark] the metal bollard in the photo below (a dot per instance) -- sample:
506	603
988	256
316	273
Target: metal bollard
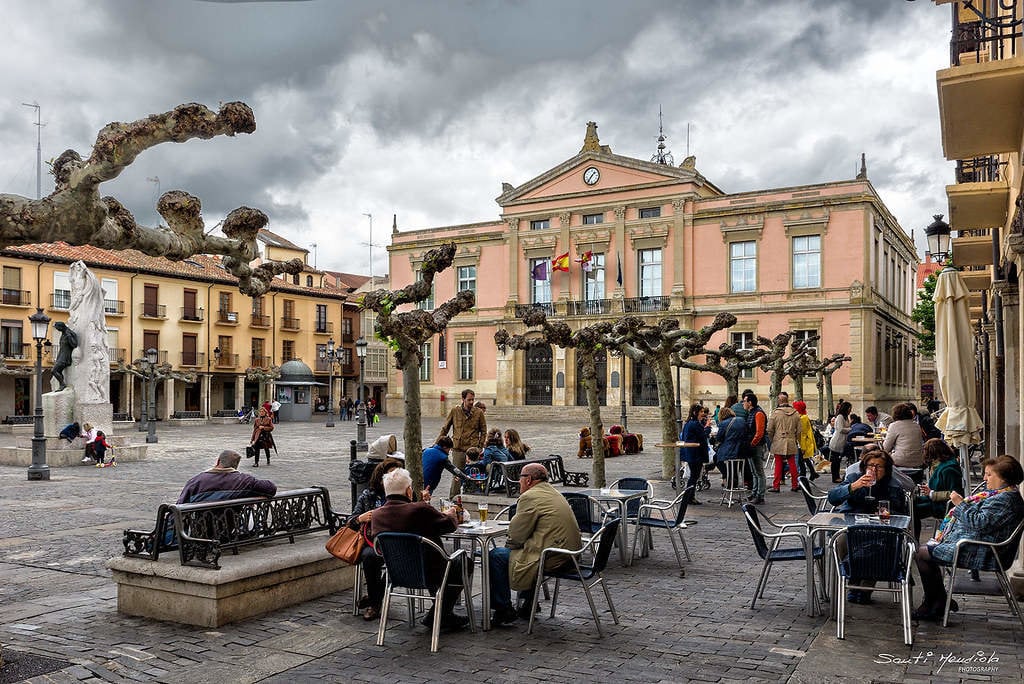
351	458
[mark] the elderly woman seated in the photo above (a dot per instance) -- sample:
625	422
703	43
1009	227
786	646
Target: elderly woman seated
990	515
632	442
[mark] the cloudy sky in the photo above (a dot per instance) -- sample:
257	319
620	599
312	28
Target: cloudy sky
422	109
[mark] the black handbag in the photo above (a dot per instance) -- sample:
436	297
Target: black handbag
250	451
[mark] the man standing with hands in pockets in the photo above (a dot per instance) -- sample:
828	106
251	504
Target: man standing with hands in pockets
469	429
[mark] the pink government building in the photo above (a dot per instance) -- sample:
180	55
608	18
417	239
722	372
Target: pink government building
664	241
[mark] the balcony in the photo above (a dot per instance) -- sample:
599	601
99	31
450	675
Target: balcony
288	323
546	307
226	361
161	355
977	278
16	297
286	357
60	300
191	314
227	317
257	361
152	311
973	248
981	194
645	304
590	307
259	321
981	96
15	351
113	307
118	356
193	358
323	328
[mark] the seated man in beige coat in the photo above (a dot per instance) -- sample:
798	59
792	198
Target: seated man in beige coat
543	518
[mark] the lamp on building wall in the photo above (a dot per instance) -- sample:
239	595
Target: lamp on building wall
39	470
938	238
331	356
361	418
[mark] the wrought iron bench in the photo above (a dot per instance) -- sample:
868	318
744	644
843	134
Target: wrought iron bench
503	476
187	414
201	531
225	413
18	420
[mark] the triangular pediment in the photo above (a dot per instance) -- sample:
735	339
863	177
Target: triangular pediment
615	174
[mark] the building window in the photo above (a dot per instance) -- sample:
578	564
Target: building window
427	361
428	303
593	280
465	360
322	326
466	278
649	272
650	212
801	335
61	290
11	344
111	304
540	224
593	219
744	340
12	285
807	261
540	290
309	281
743	266
287	350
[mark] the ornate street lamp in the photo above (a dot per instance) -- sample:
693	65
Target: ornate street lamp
209	381
938	239
151	358
361	418
331	356
39	470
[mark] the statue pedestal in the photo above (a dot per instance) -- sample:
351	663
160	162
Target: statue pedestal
100	416
58	411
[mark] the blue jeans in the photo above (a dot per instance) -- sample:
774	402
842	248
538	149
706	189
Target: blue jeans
501	593
757	469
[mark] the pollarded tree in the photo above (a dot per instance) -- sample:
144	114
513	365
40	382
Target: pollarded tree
781	363
729	361
76	214
655	345
589	343
262	376
823	372
405	334
802	364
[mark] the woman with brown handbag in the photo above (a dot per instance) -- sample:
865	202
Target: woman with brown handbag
261	437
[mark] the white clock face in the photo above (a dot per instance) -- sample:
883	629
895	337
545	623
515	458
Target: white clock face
591	176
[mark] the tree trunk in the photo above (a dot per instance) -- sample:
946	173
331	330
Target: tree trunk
666	402
413	420
775	387
798	387
819	383
589	371
828	392
732	386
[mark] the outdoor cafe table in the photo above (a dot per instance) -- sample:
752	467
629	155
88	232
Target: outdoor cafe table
621	497
480	536
834	521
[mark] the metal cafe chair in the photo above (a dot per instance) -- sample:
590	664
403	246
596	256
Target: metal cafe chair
993	557
589	576
816	500
656	515
405	559
734	488
874	553
767	546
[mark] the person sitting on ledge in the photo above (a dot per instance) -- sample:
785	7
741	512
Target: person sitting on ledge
223	481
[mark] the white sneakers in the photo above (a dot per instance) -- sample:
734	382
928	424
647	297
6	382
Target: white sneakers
86	460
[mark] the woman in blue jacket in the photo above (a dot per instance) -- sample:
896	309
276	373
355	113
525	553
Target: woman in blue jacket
696	433
732	437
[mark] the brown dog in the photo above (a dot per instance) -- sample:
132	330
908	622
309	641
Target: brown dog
586	449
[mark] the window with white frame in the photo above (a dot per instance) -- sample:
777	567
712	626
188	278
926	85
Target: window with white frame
428	359
466	276
593	280
61	290
428	303
593	219
649	272
110	301
807	261
650	212
743	266
744	340
540	290
465	350
540	224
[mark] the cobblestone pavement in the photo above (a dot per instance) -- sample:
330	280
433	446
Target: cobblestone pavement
57	598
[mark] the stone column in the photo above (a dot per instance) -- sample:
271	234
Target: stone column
513	259
240	392
564	292
682	228
1011	361
204	395
620	250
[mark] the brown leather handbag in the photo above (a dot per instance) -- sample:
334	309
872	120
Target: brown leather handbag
346	544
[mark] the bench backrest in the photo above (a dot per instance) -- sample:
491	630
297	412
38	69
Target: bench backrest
506	474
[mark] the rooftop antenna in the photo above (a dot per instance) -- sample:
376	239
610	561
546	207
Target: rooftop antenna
313	245
662	156
39	147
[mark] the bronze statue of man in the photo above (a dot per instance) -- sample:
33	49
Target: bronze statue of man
68	342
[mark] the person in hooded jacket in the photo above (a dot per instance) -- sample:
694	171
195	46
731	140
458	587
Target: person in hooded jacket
383	447
784	436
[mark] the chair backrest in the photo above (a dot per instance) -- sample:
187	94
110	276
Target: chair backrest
609	532
805	489
583	508
983	558
632	506
754	525
404	556
508	512
876	553
682	501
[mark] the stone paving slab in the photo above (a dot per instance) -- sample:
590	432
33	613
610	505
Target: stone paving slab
58	599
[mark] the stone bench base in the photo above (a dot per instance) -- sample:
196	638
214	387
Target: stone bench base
258	580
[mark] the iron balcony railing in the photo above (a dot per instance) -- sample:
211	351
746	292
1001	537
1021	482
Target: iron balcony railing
230	317
323	328
259	361
979	169
61	300
192	314
546	307
260	321
152	311
289	323
16	297
590	307
113	307
192	358
985	30
161	355
117	356
973	233
226	360
645	304
15	351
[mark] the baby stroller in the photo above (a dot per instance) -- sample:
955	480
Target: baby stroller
245	416
703	483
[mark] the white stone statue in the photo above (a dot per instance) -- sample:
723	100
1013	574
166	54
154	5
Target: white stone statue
89	373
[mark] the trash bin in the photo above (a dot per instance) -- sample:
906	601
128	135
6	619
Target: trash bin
359	473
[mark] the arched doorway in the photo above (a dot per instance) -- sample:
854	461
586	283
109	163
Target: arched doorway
645	386
538	375
602	380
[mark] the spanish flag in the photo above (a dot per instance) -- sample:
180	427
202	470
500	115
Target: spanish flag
560	263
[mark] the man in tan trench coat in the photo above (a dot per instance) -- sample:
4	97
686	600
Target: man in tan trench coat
543	518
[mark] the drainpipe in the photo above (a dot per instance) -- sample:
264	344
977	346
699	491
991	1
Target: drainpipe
986	370
999	370
129	378
273	333
209	354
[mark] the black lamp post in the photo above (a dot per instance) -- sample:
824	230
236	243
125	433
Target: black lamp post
622	387
331	356
209	382
361	418
39	470
151	359
938	238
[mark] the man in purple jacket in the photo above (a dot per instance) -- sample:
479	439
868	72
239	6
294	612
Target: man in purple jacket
223	481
